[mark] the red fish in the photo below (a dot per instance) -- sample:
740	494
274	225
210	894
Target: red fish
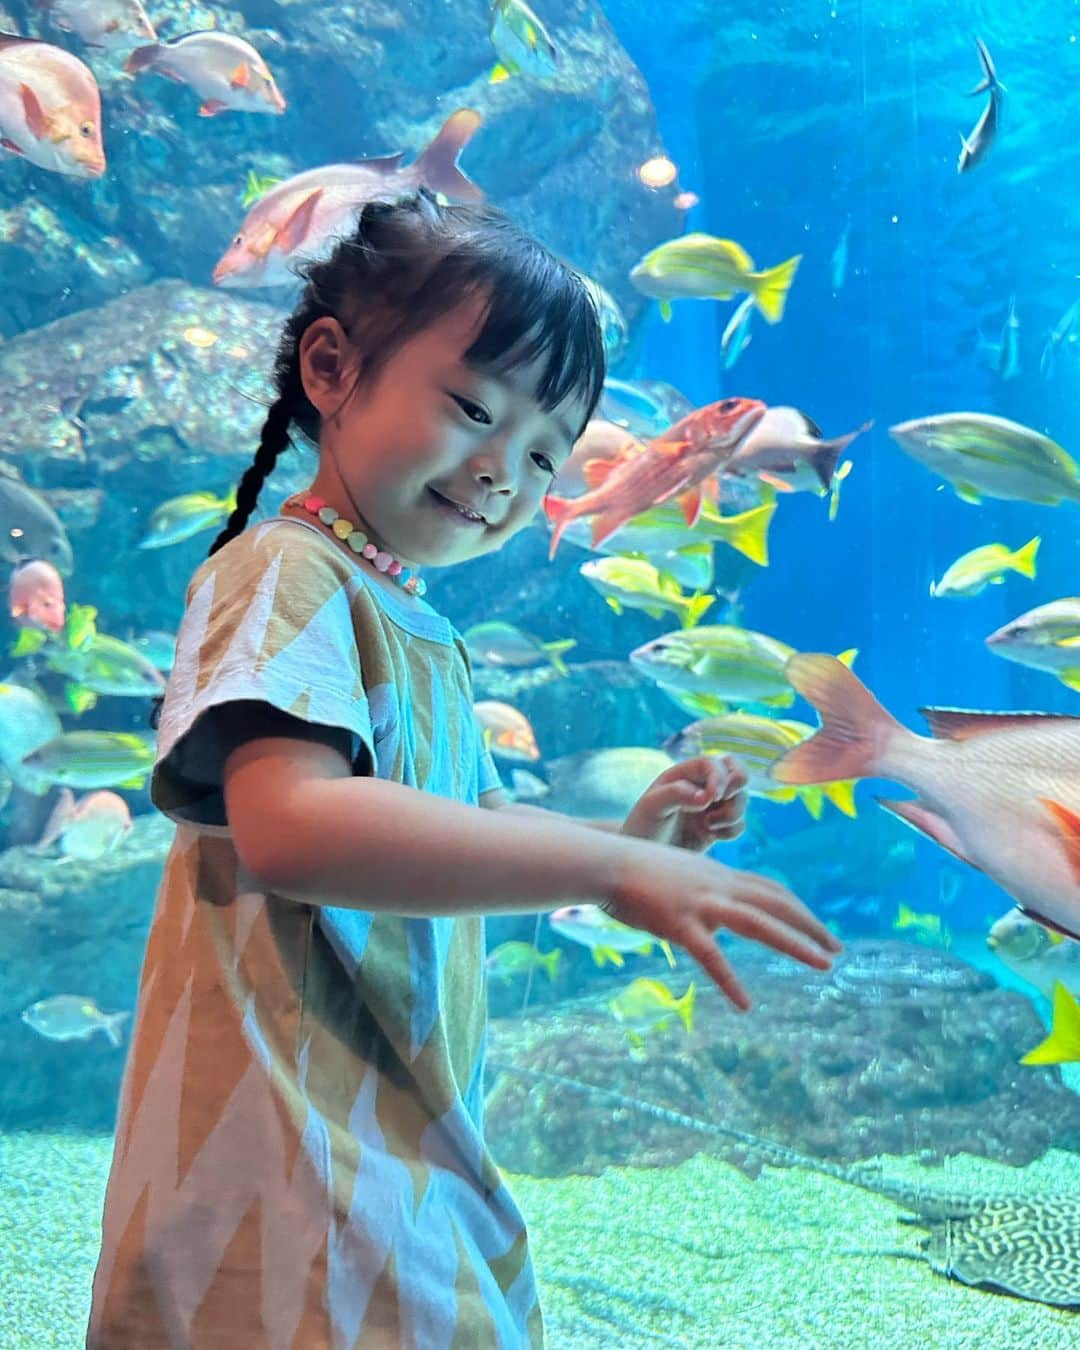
50	107
676	463
36	596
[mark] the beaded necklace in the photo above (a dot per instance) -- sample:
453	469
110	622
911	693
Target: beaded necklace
358	541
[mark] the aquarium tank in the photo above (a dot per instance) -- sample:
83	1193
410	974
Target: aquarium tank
833	248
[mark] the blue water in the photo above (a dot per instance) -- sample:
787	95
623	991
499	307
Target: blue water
792	123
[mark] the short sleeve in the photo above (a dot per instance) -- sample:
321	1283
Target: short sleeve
487	775
269	620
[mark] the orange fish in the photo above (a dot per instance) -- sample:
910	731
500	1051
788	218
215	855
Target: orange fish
676	463
50	107
36	596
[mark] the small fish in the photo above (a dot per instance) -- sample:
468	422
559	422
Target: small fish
605	937
1055	338
612	320
633	583
736	336
109	24
677	463
257	187
986	566
603	784
50	108
183	517
307	213
511	959
703	267
758	742
225	71
526	787
30	528
502	645
1062	1046
1008	365
507	733
69	1017
98	664
930	929
974	147
1036	954
26	723
522	43
644	407
1045	638
89	828
986	456
839	259
36	596
720	663
1000	790
90	759
648	1006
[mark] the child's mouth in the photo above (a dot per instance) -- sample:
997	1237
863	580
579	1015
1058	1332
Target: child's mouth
465	513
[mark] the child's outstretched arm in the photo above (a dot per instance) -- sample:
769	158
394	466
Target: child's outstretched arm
305	827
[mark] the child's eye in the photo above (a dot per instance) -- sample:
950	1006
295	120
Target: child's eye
542	460
468	407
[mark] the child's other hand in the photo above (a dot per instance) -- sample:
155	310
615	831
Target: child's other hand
692	805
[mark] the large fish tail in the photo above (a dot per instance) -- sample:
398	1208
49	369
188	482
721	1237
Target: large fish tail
437	167
855	727
749	532
770	288
560	511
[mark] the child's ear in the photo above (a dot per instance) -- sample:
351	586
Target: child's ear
328	362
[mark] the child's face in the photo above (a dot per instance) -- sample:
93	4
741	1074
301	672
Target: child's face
430	431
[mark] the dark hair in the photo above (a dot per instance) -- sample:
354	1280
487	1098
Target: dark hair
406	264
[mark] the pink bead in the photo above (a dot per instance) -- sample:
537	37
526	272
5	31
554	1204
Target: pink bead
313	504
382	560
394	569
369	551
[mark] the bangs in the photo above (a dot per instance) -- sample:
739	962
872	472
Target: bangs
542	313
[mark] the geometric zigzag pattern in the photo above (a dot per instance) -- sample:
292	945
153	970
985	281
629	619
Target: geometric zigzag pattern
299	1158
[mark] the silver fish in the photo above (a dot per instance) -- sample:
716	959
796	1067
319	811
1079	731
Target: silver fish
1009	348
68	1017
974	147
1055	338
30	528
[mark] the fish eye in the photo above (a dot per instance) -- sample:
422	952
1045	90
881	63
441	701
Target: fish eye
728	405
86	129
238	241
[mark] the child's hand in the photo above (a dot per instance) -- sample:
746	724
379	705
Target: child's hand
693	805
685	899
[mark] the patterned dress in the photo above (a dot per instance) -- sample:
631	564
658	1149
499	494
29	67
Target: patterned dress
300	1159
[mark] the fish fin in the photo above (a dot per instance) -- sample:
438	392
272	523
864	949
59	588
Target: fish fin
596	471
959	724
212	107
653	611
499	73
29	641
133	782
1054	927
294	229
602	954
847	658
1023	560
750	532
989	78
10	145
1067	822
560	511
1071	678
112	1023
927	821
555	650
665	310
770	288
605	524
240	78
967	493
705	705
550	962
437	166
685	1006
34	112
691	506
842	795
780	484
695	608
855	727
79	698
142	57
813	799
60	815
1062	1046
665	947
616	605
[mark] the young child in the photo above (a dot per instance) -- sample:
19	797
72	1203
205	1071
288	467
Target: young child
300	1158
